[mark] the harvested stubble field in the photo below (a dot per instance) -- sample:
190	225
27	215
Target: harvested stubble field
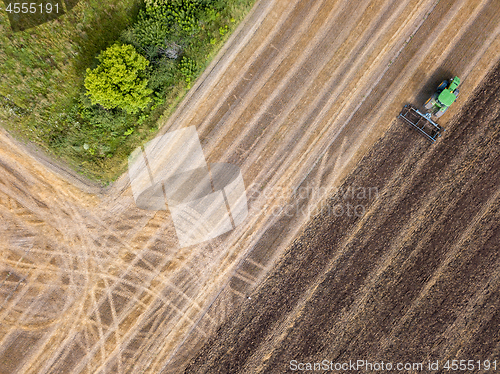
414	280
92	284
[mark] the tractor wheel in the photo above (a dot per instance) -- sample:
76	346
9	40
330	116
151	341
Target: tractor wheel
442	85
456	92
429	103
441	112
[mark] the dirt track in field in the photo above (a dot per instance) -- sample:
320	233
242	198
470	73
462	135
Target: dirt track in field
92	284
413	280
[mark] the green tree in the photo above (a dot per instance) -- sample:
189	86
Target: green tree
118	81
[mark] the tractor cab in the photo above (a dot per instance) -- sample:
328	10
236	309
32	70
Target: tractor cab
445	95
449	95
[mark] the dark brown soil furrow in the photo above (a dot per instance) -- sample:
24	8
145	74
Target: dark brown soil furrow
395	284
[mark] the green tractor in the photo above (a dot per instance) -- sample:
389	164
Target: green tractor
445	95
436	105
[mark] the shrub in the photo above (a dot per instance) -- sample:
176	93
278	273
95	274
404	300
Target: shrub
118	82
188	69
165	21
163	76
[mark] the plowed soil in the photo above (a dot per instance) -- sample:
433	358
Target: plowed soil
414	280
301	91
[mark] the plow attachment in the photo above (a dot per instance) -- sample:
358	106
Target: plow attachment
421	122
